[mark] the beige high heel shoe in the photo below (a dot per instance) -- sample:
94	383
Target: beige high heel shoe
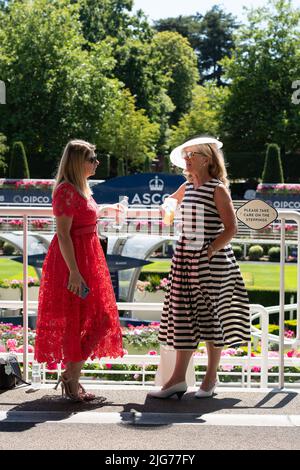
206	394
177	389
84	394
66	389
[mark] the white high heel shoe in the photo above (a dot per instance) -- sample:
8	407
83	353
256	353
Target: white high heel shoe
206	394
177	389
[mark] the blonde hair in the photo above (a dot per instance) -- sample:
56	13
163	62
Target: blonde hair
71	166
216	166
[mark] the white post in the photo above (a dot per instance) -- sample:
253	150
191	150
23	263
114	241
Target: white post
281	304
25	297
264	348
249	366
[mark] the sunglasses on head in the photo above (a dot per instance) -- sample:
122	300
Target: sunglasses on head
92	159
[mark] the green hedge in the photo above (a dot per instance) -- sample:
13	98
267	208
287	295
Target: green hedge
268	298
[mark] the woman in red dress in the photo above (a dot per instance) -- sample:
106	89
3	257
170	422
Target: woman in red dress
70	329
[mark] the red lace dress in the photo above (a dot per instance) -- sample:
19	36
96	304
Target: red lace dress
70	328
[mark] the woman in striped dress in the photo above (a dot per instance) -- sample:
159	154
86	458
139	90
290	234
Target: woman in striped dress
206	298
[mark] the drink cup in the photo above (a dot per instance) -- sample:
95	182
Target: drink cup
169	207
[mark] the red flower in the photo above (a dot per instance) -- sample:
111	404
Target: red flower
290	353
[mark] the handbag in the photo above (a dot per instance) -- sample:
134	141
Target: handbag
10	373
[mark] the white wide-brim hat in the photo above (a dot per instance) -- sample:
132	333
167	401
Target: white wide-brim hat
176	154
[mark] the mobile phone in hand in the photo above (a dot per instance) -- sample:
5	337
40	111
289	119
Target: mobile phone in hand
84	291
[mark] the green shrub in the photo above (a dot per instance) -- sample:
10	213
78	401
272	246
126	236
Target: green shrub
268	298
274	253
238	251
8	249
255	252
18	167
272	172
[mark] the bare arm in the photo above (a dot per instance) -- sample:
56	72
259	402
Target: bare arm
227	214
179	193
108	210
63	226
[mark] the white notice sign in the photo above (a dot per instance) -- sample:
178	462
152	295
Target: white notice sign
256	214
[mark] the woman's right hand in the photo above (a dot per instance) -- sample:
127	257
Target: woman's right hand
75	282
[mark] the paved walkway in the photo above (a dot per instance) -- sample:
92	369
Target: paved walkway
126	418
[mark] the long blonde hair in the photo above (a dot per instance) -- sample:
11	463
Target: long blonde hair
216	166
72	164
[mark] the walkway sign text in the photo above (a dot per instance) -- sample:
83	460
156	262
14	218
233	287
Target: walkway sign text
256	214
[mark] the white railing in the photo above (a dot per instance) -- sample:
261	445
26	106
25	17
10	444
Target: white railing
246	363
283	216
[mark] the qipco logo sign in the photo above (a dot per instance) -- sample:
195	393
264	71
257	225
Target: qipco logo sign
2	92
31	199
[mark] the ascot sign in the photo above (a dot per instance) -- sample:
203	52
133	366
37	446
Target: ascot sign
155	196
144	189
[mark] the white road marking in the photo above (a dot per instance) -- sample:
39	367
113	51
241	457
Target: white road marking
135	418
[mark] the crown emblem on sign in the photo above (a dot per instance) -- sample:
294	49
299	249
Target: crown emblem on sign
156	184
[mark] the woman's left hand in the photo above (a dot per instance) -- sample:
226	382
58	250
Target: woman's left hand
210	252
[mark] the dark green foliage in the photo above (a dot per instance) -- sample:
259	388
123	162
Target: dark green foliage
103	169
211	37
268	298
8	249
166	164
273	172
3	151
238	251
121	167
264	64
18	167
274	253
244	164
147	165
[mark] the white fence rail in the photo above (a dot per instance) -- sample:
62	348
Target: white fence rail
284	216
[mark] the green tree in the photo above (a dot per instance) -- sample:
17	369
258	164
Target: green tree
215	42
203	117
137	67
127	133
177	61
57	90
166	165
103	169
272	172
147	165
121	168
18	167
264	65
3	151
112	18
211	37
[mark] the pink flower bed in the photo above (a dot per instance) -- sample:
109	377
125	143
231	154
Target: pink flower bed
25	184
282	188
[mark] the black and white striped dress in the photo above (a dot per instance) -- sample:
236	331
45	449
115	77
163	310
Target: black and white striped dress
206	300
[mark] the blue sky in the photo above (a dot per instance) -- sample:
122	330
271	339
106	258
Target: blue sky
156	9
